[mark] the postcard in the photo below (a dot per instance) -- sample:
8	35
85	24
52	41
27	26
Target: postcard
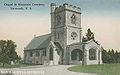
59	37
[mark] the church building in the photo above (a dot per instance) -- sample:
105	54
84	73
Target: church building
64	44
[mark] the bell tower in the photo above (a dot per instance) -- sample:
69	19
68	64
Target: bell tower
65	26
53	6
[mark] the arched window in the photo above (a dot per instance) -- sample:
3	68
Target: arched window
58	18
92	54
73	19
76	55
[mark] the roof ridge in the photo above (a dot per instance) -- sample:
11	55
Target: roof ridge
43	35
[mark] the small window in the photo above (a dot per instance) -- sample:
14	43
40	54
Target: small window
44	52
58	35
92	54
31	54
73	19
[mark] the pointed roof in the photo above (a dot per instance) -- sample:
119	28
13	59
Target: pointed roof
92	40
39	42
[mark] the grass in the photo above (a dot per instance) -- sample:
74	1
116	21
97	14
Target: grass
104	69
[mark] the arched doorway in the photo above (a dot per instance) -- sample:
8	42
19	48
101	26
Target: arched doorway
76	56
60	52
51	54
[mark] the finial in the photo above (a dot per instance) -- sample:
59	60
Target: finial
53	4
65	4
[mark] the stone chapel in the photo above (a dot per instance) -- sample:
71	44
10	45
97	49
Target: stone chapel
63	45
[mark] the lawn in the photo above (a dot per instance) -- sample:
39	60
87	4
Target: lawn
104	69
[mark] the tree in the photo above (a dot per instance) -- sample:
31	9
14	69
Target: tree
11	47
111	56
89	35
117	56
3	53
7	51
104	55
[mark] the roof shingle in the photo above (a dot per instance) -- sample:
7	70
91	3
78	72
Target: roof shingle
39	42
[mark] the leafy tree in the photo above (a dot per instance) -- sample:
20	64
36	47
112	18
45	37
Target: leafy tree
104	55
7	51
111	56
117	56
3	52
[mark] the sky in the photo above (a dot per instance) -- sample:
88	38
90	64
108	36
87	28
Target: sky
101	16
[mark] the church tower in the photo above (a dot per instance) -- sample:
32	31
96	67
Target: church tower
65	26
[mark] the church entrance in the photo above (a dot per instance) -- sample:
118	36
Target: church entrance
51	54
76	56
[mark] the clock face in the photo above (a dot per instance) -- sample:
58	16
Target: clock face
73	35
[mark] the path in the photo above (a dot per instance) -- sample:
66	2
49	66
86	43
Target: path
44	70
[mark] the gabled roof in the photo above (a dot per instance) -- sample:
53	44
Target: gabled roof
39	42
91	41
